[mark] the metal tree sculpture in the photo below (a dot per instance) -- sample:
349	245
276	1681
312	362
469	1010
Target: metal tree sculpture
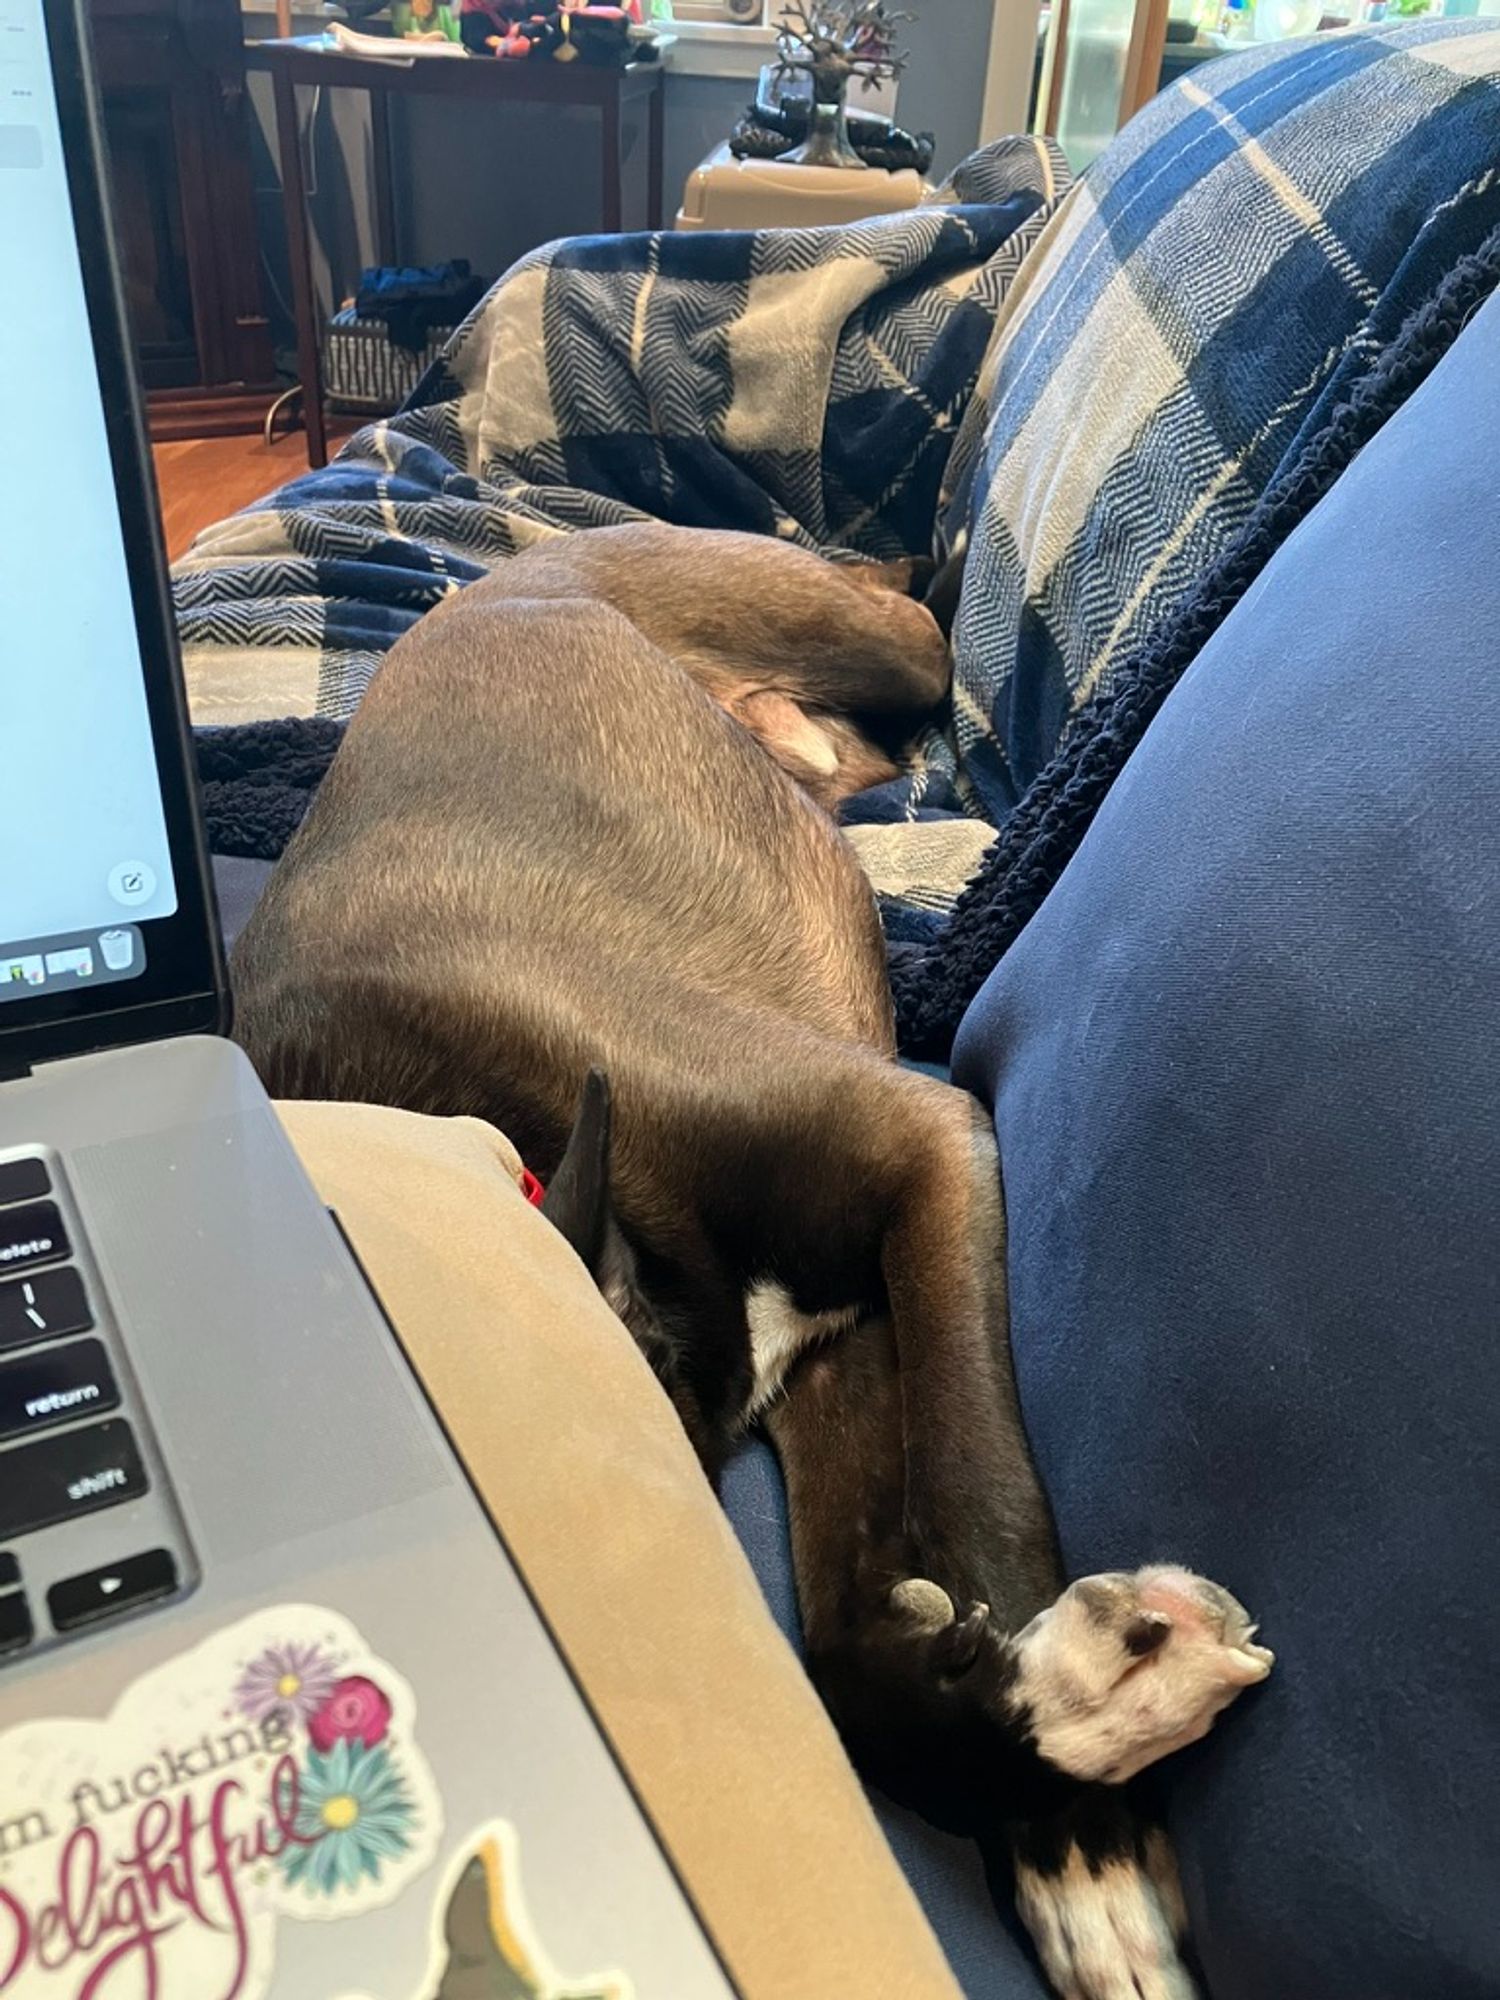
834	42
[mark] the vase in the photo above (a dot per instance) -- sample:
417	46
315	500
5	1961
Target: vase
827	142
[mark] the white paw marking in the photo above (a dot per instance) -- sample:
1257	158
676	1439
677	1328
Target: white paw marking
1102	1933
779	1333
1101	1711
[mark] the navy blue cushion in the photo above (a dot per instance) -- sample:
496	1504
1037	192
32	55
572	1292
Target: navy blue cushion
1246	1079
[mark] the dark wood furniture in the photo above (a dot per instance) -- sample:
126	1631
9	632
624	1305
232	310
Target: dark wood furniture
314	62
172	77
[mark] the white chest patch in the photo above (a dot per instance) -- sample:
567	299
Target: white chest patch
779	1333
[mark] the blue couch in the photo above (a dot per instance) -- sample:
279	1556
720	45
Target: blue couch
1246	1081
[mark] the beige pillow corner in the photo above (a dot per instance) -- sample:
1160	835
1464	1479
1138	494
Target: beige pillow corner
633	1561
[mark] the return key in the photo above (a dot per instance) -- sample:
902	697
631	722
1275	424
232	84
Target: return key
55	1387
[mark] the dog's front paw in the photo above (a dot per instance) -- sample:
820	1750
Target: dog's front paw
1105	1927
1124	1669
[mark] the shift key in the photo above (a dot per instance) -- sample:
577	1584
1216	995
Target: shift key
76	1472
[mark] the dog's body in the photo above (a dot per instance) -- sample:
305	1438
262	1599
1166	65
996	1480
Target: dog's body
548	847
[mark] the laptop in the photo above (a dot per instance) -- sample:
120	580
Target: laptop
278	1715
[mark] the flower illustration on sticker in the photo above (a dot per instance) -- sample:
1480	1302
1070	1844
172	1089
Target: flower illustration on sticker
356	1709
353	1814
286	1680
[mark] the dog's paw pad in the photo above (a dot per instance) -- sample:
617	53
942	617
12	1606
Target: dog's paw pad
952	1637
1124	1669
1101	1930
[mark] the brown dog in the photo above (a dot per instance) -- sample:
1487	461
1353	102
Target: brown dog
552	849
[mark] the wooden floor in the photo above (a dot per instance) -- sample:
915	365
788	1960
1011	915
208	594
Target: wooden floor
203	480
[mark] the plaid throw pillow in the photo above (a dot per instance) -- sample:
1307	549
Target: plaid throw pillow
1201	300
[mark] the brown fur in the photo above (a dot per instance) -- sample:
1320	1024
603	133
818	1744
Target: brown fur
550	844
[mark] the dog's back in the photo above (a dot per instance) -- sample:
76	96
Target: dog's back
542	840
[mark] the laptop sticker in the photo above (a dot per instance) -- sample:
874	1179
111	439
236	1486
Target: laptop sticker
484	1947
271	1774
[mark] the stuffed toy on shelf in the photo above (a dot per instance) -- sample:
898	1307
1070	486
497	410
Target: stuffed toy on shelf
512	30
516	30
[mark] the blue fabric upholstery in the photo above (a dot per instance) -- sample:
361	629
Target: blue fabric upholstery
1247	1088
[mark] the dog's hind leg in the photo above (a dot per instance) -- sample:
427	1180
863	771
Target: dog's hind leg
929	1579
1078	1864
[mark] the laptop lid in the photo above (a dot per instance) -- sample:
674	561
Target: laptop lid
108	933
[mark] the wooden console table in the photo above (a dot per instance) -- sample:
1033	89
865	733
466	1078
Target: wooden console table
315	62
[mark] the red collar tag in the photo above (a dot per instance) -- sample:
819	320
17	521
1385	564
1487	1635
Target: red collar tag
532	1188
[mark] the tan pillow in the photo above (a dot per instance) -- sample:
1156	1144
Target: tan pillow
578	1453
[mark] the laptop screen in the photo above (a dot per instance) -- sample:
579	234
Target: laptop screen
91	876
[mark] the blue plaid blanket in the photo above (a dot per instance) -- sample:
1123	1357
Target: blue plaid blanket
1211	291
805	383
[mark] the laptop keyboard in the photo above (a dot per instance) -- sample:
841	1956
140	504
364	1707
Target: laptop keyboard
65	1449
